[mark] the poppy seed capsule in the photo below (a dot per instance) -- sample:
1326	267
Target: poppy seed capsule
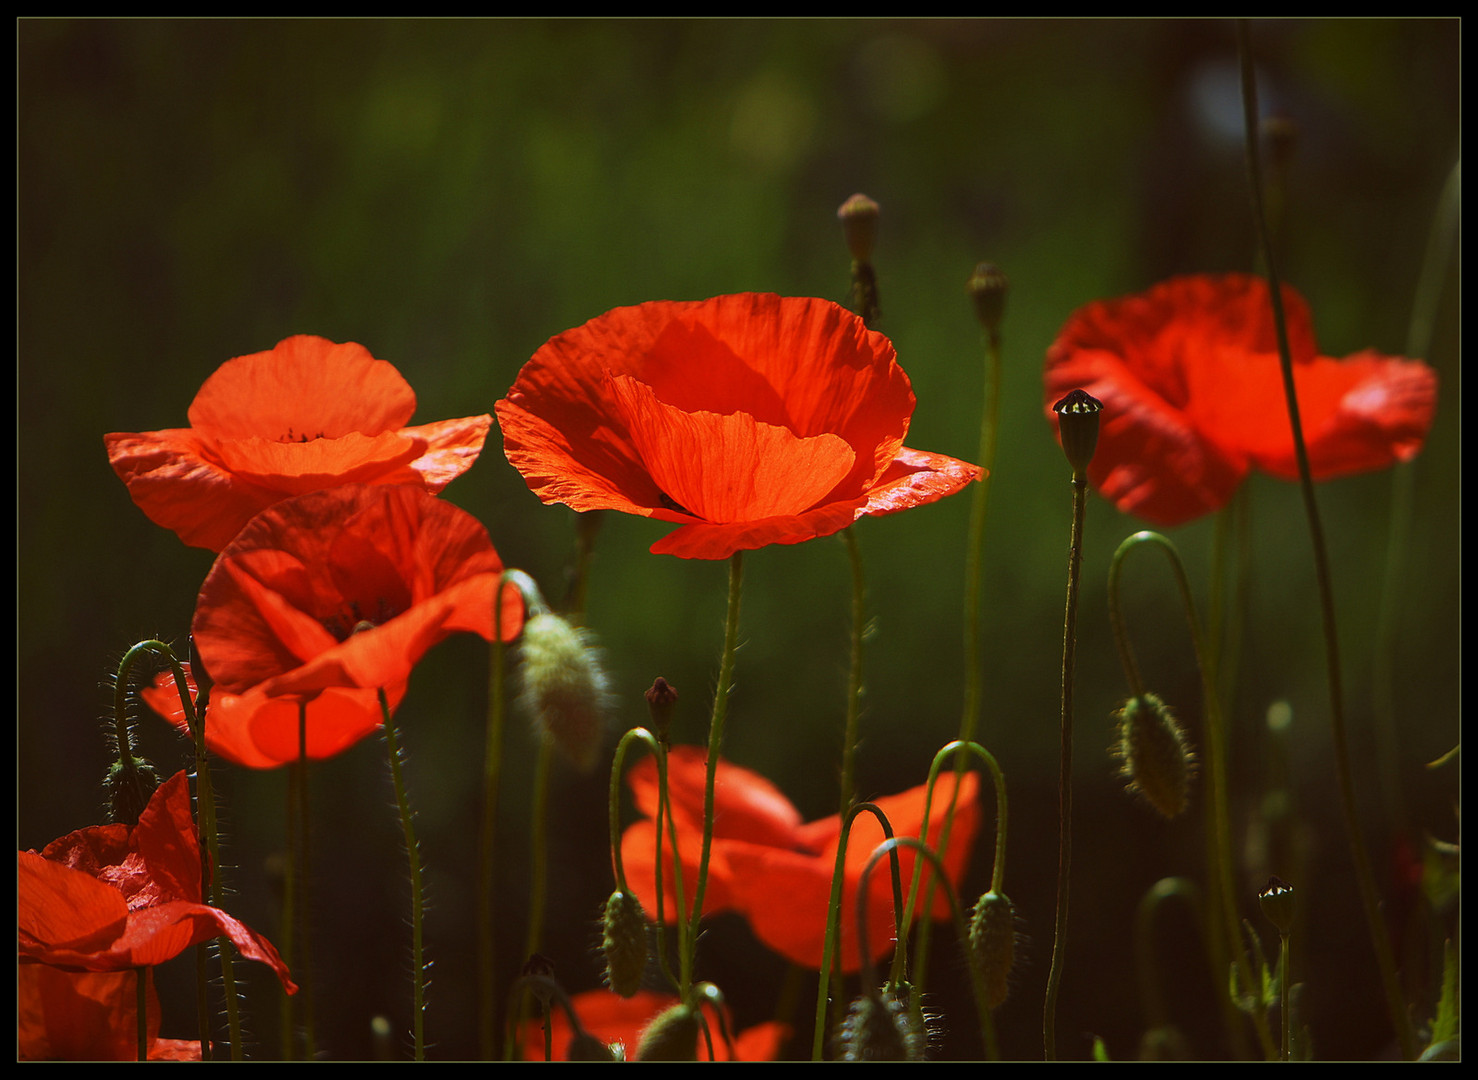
1157	759
987	287
1077	422
859	218
564	687
993	944
624	943
673	1036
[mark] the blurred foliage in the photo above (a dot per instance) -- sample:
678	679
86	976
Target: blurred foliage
450	194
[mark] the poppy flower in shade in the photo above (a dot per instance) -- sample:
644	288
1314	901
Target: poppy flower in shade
1192	393
769	867
89	1016
261	732
340	589
111	898
308	415
614	1019
747	420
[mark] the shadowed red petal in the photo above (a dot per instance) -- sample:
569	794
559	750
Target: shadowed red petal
614	1019
1192	392
305	416
84	1015
749	420
279	611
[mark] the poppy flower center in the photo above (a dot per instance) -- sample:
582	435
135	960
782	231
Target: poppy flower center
354	619
731	467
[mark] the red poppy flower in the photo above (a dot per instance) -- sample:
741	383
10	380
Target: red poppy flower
111	898
261	732
339	589
772	869
308	415
614	1019
1192	394
748	420
89	1016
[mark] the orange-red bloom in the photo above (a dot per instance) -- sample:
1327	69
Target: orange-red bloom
772	869
111	897
338	590
748	420
89	1016
1192	394
308	415
614	1019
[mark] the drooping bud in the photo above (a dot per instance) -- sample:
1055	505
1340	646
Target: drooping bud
661	700
878	1028
130	789
624	943
564	687
859	218
1077	421
1276	900
993	944
673	1036
988	287
1157	758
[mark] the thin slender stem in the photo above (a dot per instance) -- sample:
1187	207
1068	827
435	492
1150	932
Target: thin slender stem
492	771
854	668
539	845
1365	877
715	743
1285	986
1065	789
413	851
975	546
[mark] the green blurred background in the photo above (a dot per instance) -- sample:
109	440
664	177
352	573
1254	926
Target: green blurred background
451	194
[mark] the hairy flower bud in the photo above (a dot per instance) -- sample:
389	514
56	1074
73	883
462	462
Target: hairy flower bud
878	1028
993	944
1157	758
564	687
624	943
673	1036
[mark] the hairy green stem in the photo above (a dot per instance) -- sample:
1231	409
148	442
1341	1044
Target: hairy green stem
413	851
854	668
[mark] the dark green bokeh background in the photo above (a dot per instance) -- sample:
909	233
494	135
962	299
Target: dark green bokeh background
451	194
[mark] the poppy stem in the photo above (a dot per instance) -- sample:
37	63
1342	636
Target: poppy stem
492	770
1364	875
854	670
539	844
1065	777
715	743
413	851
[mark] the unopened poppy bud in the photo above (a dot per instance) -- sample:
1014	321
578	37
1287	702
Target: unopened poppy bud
879	1028
987	287
661	700
564	687
673	1036
1077	421
130	789
859	218
1276	900
993	944
586	1047
1157	758
624	943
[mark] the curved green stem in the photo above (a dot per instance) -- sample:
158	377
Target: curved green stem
1144	943
407	821
1365	877
715	743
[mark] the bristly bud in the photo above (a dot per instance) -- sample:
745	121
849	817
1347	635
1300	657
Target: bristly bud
586	1047
1077	420
1276	900
1157	758
661	700
988	287
673	1036
859	218
129	790
878	1028
564	687
624	943
993	944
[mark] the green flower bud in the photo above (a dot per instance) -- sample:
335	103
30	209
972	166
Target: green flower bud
878	1028
129	791
564	687
624	943
1157	759
661	700
993	944
673	1036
